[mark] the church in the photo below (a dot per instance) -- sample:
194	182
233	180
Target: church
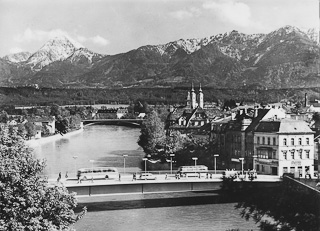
191	116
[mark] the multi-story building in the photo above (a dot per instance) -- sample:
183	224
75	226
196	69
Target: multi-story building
266	140
283	146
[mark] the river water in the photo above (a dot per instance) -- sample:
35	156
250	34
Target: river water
105	145
97	145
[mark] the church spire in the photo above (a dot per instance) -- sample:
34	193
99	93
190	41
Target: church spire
200	103
193	98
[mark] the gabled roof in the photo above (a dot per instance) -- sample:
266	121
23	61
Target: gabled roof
256	120
268	126
294	126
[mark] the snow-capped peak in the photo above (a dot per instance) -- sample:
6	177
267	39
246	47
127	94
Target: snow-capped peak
17	57
58	48
83	53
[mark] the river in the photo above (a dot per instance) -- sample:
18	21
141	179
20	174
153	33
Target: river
105	145
97	145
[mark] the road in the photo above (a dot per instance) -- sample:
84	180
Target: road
128	178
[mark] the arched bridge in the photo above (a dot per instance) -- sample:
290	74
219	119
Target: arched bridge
120	122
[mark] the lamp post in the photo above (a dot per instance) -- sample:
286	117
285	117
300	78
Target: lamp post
241	159
254	162
215	163
75	164
91	161
171	156
145	164
124	164
195	160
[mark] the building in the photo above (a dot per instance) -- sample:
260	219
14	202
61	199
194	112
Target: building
284	146
191	117
267	141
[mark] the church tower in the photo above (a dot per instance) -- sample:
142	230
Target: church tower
193	98
188	100
200	102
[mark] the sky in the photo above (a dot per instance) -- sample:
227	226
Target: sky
117	26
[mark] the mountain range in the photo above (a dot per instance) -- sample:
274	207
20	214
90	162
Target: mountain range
285	58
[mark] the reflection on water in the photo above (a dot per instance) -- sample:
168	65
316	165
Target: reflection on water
217	217
105	144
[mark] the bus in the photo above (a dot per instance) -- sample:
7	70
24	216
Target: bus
97	173
195	170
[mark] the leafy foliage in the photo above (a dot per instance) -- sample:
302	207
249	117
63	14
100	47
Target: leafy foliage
286	207
152	133
27	202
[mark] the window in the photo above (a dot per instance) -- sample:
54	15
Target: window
274	155
269	140
274	141
263	140
292	154
258	140
285	155
284	141
300	141
300	153
292	141
307	141
307	154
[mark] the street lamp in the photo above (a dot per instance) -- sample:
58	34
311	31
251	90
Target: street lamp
254	162
91	161
124	164
195	160
171	155
145	164
215	163
241	159
75	164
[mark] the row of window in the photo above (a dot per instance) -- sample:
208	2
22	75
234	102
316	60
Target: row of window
267	141
292	141
263	140
299	156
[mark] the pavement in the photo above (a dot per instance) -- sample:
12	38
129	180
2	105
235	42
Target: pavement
160	178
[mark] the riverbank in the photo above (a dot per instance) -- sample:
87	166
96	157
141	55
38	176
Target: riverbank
44	140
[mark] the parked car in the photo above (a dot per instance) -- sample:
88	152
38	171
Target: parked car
147	176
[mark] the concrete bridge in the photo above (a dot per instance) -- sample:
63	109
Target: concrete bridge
161	185
119	122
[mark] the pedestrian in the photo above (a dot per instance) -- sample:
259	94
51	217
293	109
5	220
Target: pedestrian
59	177
210	175
166	176
66	174
207	175
119	177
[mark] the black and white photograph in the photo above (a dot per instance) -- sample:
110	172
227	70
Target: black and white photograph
160	115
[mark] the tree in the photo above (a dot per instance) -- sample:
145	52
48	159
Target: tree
4	117
30	129
62	125
27	202
152	133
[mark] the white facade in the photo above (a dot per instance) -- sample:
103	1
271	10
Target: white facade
285	146
296	154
